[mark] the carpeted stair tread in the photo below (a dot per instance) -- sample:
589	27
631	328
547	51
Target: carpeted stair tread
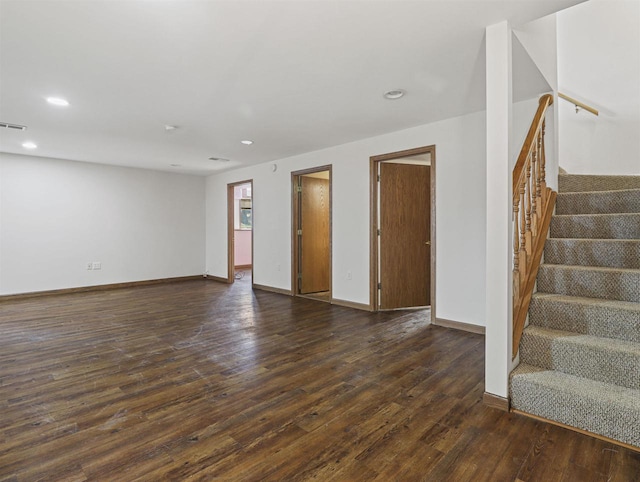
589	316
602	359
613	253
599	202
600	226
590	282
585	182
601	408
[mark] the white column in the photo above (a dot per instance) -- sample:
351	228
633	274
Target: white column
499	205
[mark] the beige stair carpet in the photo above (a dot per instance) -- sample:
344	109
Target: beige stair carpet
580	353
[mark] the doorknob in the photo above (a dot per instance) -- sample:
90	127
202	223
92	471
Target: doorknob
428	243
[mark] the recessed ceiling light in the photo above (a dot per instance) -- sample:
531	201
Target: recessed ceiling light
219	159
59	101
247	142
29	145
394	94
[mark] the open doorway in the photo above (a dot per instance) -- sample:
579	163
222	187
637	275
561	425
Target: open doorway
240	231
311	233
403	230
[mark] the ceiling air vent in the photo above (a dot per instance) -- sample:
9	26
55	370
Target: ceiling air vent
16	127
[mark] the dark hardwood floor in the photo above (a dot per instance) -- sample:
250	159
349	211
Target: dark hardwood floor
203	381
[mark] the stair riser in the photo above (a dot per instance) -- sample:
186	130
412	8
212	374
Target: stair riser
585	319
598	202
570	354
580	183
612	285
618	226
603	417
586	252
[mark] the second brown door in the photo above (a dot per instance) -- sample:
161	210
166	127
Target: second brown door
404	241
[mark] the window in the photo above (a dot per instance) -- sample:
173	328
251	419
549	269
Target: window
245	214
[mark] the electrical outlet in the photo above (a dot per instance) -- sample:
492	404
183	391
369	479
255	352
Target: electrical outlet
89	265
349	275
97	265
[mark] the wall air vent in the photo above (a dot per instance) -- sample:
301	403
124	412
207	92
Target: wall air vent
16	127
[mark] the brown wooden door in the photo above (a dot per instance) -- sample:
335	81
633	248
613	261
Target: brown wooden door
404	244
314	242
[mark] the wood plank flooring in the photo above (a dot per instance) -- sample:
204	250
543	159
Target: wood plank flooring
198	380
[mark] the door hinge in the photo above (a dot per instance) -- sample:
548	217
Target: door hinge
378	177
298	188
299	232
379	286
299	275
378	232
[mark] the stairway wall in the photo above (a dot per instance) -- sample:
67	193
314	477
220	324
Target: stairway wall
599	64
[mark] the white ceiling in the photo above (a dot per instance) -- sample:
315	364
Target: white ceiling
293	76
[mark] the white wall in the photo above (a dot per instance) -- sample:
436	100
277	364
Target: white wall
242	247
499	209
540	41
522	116
599	64
598	145
58	215
460	214
539	38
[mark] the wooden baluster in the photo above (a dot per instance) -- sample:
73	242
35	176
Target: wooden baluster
543	163
544	160
516	233
516	251
528	207
539	191
522	253
533	192
539	176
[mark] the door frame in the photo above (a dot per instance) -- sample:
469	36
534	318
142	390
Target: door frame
231	230
295	255
373	222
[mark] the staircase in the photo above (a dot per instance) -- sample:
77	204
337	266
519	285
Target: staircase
580	354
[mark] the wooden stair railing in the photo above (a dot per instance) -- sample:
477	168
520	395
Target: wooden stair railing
533	204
